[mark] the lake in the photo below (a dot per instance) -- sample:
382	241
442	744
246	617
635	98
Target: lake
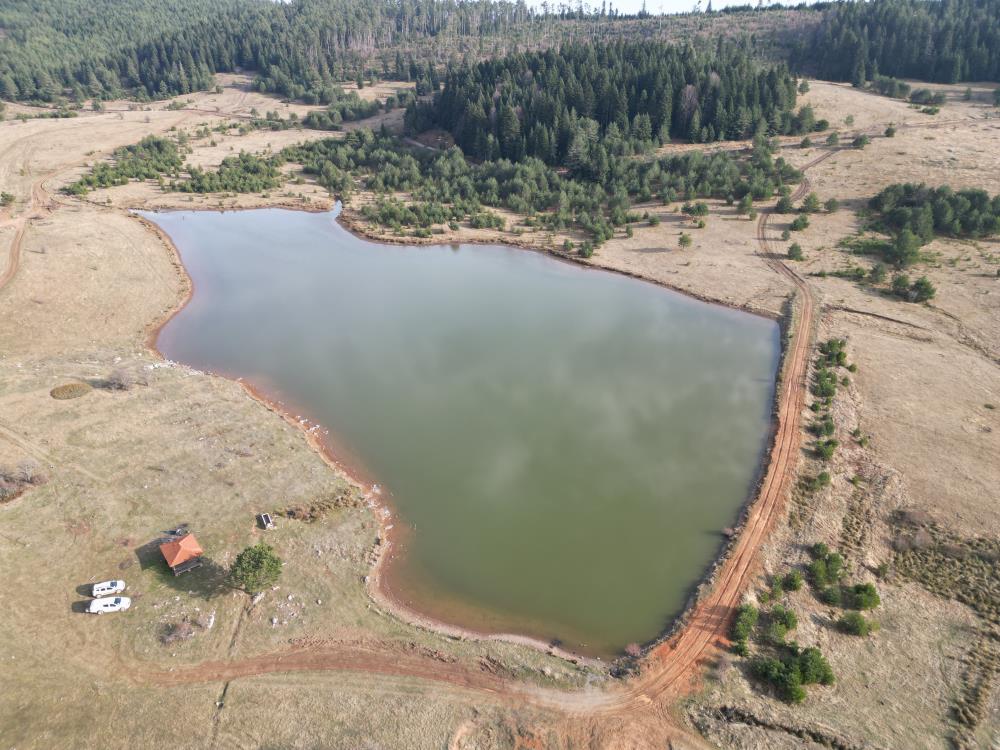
562	445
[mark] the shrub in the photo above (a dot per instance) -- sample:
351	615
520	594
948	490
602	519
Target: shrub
825	427
825	384
767	668
120	380
784	205
777	589
685	240
785	235
826	567
854	623
831	595
795	252
860	142
905	248
862	596
890	132
775	633
255	568
926	96
801	222
811	204
792	581
892	87
789	675
806	142
831	205
70	390
819	551
818	575
834	566
746	618
817	482
826	448
901	285
785	616
28	471
814	668
920	290
833	139
877	273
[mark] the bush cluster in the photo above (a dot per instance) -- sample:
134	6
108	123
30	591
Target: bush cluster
919	213
796	668
148	159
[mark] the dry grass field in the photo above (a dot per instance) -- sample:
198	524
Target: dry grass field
316	663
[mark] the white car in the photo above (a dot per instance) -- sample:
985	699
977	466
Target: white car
107	588
109	604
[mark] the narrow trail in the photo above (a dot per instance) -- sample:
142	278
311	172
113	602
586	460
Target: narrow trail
39	204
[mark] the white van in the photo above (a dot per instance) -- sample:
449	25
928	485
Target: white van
109	604
107	588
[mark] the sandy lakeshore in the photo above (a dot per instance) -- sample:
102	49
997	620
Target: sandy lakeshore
85	285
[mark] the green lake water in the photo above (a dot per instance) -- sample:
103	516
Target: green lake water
563	445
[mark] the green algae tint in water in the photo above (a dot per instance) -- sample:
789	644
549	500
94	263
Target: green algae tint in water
565	444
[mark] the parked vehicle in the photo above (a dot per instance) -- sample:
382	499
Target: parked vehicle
107	588
109	604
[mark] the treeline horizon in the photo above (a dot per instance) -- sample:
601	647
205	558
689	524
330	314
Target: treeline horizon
61	50
52	50
927	40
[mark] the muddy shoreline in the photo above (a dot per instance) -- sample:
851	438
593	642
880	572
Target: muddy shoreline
385	515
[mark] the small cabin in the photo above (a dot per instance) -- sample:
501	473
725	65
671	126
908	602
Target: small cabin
182	554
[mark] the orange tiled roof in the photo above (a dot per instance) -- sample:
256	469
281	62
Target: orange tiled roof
181	550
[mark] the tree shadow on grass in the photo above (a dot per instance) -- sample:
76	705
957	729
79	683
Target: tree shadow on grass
204	582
